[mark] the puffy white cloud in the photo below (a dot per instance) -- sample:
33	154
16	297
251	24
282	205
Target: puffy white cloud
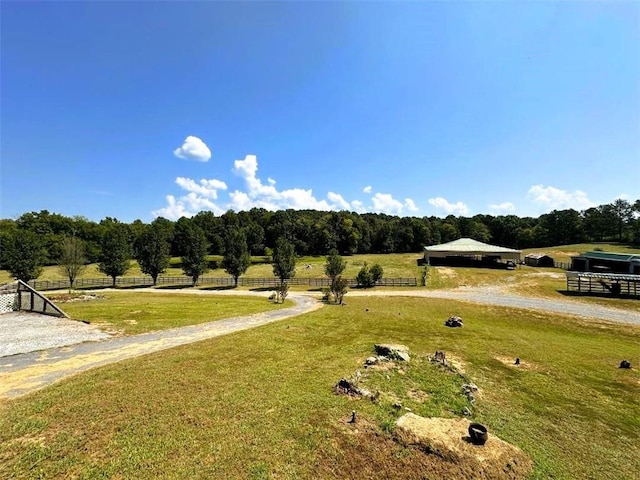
173	211
247	170
193	149
367	189
385	203
553	198
458	208
206	188
504	207
358	206
410	204
338	200
202	194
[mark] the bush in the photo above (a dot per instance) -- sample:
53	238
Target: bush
367	277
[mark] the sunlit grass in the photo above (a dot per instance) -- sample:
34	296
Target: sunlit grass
130	313
260	403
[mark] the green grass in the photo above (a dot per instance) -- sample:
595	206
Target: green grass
131	313
395	265
259	403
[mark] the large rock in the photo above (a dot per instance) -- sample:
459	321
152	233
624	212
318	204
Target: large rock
393	352
449	439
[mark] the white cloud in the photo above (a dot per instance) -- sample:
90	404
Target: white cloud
458	208
193	149
358	206
410	204
338	200
385	203
367	189
203	195
173	211
206	188
504	207
553	198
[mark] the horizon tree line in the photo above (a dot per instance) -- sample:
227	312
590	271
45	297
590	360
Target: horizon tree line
42	238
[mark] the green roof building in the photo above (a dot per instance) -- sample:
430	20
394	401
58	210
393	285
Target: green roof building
606	262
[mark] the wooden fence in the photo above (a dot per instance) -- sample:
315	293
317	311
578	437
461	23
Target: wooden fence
145	281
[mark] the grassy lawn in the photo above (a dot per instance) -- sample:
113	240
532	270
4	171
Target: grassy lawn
131	313
259	403
395	265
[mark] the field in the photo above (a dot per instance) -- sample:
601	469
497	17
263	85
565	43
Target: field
260	403
128	314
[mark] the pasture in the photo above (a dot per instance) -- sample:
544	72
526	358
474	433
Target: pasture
260	403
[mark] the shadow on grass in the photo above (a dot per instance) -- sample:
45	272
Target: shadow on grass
219	287
174	287
262	289
573	293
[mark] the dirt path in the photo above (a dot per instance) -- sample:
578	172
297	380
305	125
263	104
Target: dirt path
24	373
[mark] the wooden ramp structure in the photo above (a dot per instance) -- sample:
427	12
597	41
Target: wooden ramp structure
19	296
613	284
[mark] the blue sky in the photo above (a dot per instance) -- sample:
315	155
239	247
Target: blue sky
134	110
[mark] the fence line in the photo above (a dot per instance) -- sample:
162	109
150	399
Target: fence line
146	281
562	265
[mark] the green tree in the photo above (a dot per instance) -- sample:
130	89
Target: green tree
151	250
236	259
284	262
24	255
376	273
72	258
367	277
623	211
339	289
194	252
116	251
333	268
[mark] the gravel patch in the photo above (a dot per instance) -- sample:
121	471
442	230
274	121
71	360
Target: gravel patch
29	332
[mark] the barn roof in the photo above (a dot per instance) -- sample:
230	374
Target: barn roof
469	246
612	256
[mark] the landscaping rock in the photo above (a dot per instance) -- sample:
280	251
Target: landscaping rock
371	361
449	439
453	322
393	352
349	387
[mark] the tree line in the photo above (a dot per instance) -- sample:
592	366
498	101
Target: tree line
50	238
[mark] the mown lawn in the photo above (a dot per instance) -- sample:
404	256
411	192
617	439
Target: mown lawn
129	313
260	404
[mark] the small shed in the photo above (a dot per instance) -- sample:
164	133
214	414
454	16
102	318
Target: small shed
539	260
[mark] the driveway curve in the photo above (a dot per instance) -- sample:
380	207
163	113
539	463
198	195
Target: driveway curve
23	373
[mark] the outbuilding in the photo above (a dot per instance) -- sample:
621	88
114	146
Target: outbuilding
470	252
606	262
539	260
